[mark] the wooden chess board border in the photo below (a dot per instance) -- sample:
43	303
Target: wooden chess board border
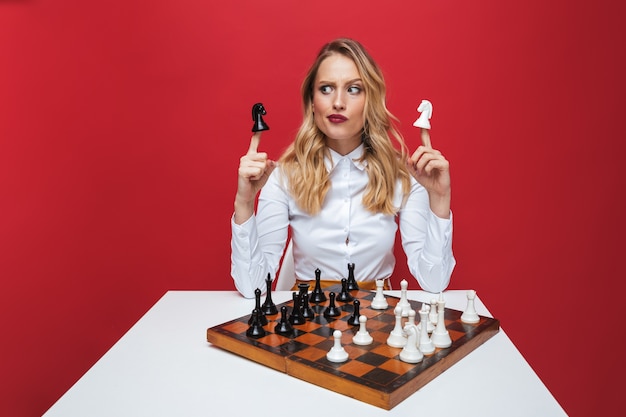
230	336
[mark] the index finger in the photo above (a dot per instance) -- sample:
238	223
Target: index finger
425	135
254	142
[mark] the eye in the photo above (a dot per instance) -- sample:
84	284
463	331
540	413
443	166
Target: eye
326	89
354	89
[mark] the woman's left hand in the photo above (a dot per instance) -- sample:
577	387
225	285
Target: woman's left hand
432	170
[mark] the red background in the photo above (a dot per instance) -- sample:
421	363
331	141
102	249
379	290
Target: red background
122	123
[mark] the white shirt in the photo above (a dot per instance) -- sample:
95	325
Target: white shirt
342	232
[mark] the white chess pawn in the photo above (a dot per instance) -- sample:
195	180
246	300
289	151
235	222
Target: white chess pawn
404	302
426	345
441	336
470	315
379	302
337	353
362	337
411	353
396	337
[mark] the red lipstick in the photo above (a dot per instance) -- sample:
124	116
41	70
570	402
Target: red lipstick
337	118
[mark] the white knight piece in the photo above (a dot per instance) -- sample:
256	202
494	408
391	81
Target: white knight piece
426	110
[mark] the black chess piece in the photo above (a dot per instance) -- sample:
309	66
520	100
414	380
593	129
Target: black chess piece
296	313
262	318
258	111
303	288
332	310
317	295
283	326
352	284
307	312
356	313
344	295
269	308
256	330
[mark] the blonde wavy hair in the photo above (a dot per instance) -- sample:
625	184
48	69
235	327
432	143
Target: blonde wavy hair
303	161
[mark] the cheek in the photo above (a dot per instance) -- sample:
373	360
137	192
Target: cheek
318	103
358	112
318	119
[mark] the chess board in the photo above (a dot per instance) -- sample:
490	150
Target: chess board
374	373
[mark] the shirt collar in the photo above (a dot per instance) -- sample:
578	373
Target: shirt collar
354	156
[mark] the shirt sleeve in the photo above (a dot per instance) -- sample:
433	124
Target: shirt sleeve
257	245
427	241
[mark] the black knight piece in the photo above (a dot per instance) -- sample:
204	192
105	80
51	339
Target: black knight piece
258	111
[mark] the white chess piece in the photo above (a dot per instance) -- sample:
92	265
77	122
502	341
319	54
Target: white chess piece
429	325
470	315
426	110
432	317
441	336
379	302
423	122
411	319
404	302
362	337
411	353
426	345
337	353
396	337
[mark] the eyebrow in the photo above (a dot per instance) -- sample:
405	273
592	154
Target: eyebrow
353	81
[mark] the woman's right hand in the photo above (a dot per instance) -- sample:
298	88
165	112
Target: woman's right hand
254	170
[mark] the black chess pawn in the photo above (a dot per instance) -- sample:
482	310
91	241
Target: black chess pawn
262	318
269	308
307	311
332	310
356	313
283	326
296	317
317	295
258	111
344	295
256	329
352	284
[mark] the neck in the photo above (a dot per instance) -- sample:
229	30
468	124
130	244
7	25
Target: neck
343	147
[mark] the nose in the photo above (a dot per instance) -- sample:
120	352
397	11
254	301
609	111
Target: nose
339	102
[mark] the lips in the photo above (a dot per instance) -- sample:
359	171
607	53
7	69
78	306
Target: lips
337	118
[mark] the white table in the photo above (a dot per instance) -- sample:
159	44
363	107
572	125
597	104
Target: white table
163	366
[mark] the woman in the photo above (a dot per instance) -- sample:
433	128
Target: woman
340	187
